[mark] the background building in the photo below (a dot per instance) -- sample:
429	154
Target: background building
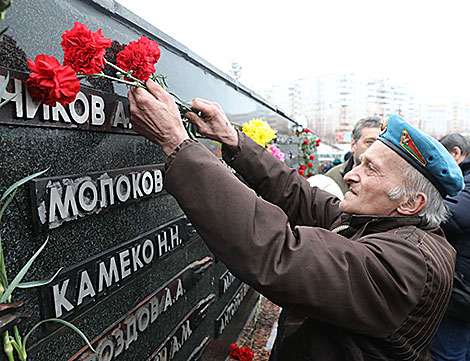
333	103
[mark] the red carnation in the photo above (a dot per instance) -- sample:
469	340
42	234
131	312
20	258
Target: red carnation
318	141
312	157
51	82
303	166
309	174
310	165
305	141
140	57
307	130
301	172
84	50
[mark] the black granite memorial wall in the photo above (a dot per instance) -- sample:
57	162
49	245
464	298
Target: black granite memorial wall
134	275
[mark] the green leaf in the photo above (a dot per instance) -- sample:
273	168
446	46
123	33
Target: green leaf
21	274
39	283
21	182
58	320
4	84
6	101
3	271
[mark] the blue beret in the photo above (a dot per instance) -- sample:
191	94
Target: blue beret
424	153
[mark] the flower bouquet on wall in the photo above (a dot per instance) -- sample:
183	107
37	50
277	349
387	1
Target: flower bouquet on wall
262	133
84	57
308	143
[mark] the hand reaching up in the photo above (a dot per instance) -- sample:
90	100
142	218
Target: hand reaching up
214	123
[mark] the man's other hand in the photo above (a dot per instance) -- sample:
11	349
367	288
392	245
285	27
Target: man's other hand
213	124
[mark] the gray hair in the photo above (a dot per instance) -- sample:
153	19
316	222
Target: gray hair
435	211
450	141
370	122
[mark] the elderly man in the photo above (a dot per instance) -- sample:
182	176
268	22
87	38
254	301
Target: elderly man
365	279
365	133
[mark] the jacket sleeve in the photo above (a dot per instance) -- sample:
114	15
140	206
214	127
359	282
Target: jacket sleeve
458	222
282	185
310	270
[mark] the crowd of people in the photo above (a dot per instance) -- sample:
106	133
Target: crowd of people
367	277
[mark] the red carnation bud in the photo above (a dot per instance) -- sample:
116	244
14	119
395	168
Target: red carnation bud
309	174
312	157
84	50
301	172
307	130
305	141
310	165
303	166
51	82
139	56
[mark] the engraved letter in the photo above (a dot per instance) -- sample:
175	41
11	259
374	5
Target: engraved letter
120	116
119	336
125	262
123	195
59	109
97	110
103	274
186	332
135	257
59	298
135	185
86	288
131	331
63	207
162	244
104	200
80	119
179	289
87	203
143	318
147	183
147	256
158	180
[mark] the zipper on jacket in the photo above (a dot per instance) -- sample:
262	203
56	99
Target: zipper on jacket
340	228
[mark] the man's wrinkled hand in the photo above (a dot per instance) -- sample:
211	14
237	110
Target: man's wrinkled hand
213	124
155	115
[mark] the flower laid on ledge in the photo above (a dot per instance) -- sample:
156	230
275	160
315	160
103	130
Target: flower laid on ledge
307	144
241	353
262	133
84	56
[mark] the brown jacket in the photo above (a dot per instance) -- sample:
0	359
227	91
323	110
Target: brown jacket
375	291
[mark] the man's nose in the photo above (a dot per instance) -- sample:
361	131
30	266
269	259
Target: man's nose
352	176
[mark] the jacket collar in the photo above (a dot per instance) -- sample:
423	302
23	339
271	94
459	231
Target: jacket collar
360	225
348	165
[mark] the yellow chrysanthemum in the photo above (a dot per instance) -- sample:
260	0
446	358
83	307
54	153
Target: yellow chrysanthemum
260	131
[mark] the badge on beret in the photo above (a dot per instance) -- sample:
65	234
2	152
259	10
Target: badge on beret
384	124
407	144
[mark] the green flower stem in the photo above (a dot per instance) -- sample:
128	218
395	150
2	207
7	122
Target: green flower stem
102	75
123	72
8	347
255	324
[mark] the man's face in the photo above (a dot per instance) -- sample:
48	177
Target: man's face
368	136
379	171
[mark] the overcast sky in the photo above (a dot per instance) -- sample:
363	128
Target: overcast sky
424	44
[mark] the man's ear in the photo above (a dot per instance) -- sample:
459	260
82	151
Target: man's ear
353	145
413	206
456	152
